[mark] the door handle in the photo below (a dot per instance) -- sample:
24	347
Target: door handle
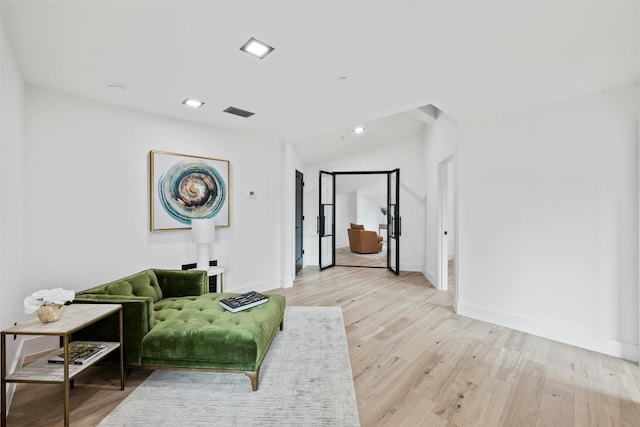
321	225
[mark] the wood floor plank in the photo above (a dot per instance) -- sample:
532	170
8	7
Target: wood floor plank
557	404
523	407
591	404
451	403
629	401
486	405
415	410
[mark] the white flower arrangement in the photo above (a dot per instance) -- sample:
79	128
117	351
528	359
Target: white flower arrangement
47	297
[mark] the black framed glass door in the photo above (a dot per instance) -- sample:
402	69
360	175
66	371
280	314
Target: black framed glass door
326	220
299	238
394	221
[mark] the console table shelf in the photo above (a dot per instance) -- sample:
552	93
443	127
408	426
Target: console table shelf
42	371
76	317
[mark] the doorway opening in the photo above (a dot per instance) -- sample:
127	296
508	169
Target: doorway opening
361	201
359	219
299	253
447	227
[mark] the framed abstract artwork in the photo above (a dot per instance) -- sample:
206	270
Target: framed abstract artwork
185	187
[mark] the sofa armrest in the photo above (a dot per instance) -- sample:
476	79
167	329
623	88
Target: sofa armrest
182	283
137	315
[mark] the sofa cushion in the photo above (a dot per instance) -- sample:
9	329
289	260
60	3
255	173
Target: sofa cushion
196	332
145	284
119	288
182	283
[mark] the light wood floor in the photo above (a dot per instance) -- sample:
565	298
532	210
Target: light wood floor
415	363
354	259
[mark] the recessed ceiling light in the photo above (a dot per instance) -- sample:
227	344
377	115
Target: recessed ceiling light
256	48
358	130
193	103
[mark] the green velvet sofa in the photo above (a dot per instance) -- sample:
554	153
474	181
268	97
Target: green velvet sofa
172	322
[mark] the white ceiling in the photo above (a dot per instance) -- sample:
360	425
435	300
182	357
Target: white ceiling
343	142
470	59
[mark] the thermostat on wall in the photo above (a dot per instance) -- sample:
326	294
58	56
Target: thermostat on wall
251	194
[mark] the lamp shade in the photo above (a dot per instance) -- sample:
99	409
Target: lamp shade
203	230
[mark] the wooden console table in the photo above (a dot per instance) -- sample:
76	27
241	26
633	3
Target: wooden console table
76	317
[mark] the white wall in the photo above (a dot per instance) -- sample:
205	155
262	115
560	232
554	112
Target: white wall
11	191
548	231
343	217
406	154
440	140
369	209
451	229
87	178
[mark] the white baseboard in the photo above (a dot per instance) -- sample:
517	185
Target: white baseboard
430	277
554	332
410	267
286	283
263	286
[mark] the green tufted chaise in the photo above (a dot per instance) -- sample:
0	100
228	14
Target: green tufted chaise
172	322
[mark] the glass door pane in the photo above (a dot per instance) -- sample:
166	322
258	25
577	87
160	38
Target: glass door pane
394	221
326	224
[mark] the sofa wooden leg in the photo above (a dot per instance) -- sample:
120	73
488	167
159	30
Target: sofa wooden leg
253	376
282	325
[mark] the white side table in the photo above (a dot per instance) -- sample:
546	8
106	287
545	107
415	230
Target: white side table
219	272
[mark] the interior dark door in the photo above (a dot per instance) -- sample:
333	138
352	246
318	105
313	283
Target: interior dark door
394	221
299	219
326	223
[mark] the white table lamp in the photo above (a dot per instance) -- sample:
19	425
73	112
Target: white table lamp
203	231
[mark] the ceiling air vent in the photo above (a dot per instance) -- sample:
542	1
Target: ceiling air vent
239	112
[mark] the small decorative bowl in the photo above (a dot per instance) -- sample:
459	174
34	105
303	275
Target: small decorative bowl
50	313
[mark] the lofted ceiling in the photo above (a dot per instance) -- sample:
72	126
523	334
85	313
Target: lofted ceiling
344	142
336	64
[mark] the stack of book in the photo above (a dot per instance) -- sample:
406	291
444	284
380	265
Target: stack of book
79	353
243	301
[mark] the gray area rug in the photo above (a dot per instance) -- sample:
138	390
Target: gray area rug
305	380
